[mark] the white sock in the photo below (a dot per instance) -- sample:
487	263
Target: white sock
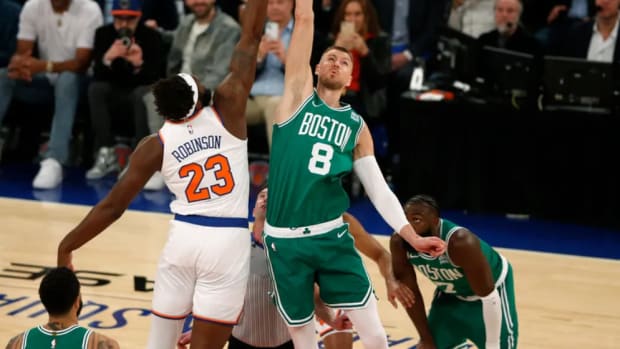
304	337
368	326
164	333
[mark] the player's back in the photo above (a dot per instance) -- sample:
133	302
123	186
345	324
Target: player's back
205	167
311	152
74	337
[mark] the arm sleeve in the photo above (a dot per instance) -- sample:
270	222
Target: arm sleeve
379	192
492	315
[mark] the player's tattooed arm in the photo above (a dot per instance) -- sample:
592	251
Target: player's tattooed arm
15	342
231	95
99	341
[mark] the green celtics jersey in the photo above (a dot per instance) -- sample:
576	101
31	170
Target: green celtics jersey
74	337
448	277
310	154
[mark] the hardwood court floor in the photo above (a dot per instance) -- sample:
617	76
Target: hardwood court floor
563	301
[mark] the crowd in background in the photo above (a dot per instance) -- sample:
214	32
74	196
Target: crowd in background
90	64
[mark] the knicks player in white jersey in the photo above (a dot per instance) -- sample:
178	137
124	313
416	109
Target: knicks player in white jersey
202	153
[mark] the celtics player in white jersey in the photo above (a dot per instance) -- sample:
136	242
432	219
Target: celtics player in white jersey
474	299
316	141
60	294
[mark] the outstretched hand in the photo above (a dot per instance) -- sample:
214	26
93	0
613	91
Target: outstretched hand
432	245
398	291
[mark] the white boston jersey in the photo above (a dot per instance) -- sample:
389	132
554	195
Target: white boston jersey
205	167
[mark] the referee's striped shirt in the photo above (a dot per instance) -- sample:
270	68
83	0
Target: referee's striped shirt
260	325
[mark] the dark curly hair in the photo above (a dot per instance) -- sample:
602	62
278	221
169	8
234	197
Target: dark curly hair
424	200
59	290
173	97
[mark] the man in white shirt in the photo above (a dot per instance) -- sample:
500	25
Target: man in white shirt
604	41
64	31
593	40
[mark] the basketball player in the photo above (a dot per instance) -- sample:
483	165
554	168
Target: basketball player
316	141
261	326
202	153
60	294
474	298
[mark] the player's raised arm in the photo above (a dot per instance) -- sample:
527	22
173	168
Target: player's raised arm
298	73
232	94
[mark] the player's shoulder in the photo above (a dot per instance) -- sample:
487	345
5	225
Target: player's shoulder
98	340
15	342
462	238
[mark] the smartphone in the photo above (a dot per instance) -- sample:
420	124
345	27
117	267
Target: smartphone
272	31
347	27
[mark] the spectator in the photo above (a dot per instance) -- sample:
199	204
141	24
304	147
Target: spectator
9	14
595	40
413	26
64	32
370	48
269	84
60	294
9	19
127	57
508	33
202	46
472	17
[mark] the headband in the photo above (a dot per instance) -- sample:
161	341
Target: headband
189	80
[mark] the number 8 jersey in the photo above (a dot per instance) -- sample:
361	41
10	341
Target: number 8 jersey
310	154
205	167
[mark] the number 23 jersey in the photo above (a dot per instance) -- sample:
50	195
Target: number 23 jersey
310	154
205	167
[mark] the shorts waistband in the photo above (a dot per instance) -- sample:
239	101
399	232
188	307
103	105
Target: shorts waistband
303	231
220	222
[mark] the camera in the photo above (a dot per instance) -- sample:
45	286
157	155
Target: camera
125	35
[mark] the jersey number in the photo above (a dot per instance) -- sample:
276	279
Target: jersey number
321	160
197	172
448	287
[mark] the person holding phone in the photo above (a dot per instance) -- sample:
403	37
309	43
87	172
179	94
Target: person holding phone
269	85
356	28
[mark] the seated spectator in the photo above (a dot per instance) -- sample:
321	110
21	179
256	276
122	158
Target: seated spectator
127	57
60	294
560	16
413	26
595	40
472	17
508	33
9	15
9	19
202	46
268	87
356	28
64	31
